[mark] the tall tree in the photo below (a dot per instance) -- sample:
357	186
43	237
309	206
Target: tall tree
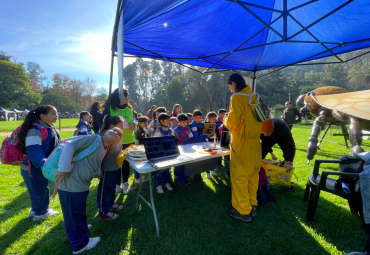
14	89
34	72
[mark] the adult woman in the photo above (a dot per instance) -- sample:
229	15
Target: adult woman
95	111
176	110
151	111
245	150
124	110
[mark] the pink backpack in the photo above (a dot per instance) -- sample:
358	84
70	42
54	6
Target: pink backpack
10	154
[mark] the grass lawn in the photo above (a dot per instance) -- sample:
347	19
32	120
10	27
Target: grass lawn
8	126
193	219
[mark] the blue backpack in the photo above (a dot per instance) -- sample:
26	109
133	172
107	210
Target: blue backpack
51	165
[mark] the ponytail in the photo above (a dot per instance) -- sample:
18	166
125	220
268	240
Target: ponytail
82	114
32	117
108	121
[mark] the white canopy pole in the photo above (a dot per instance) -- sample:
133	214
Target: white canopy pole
120	59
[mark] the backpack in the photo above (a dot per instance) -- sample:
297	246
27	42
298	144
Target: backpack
75	133
264	194
260	110
51	165
10	154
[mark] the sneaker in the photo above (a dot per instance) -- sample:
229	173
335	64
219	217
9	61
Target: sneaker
168	186
126	188
116	207
49	214
160	189
217	167
254	211
31	213
183	183
91	244
235	214
118	189
188	182
109	216
208	175
89	227
213	172
137	181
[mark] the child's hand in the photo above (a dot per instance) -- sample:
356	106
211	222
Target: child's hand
59	176
132	127
153	125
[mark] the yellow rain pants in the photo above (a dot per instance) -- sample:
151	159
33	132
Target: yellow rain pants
245	152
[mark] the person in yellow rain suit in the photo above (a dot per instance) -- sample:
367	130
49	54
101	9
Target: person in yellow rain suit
245	150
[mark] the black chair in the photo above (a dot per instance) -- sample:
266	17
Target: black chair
317	183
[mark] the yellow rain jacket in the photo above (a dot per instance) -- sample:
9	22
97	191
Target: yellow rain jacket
245	152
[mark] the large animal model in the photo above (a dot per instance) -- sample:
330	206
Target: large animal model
330	109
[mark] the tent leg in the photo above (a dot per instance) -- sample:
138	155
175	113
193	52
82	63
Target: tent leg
254	81
110	80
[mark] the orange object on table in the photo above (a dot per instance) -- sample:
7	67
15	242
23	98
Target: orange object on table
207	152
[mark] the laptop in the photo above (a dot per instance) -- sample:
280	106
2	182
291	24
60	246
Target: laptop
163	152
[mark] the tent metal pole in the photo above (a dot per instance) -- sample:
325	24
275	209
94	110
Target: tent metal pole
285	20
320	19
254	81
110	81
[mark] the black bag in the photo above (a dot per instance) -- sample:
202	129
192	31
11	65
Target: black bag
265	196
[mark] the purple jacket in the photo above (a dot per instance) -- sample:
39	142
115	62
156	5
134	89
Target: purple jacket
188	137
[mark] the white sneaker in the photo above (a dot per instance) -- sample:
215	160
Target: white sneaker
126	188
118	189
208	175
91	244
160	189
49	214
31	213
213	172
89	226
168	186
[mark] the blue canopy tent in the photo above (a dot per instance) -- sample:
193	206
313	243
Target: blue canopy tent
252	35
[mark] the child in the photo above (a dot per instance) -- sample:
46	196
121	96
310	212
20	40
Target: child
163	130
174	122
140	133
197	130
211	118
75	180
155	124
30	142
107	189
185	137
83	125
190	118
220	118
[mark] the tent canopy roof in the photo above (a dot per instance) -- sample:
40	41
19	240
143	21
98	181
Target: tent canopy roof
252	35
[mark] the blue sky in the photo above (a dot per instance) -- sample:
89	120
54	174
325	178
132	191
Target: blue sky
69	37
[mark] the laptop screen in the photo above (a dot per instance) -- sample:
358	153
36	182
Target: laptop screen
156	147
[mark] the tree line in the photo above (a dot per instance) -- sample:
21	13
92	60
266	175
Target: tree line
24	86
164	83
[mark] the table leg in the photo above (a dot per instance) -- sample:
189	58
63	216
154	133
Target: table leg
151	205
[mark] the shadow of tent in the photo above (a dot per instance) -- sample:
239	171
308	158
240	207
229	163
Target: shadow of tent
15	206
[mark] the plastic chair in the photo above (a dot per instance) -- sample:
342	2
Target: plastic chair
317	183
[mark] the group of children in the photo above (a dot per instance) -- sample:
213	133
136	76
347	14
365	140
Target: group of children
38	138
187	128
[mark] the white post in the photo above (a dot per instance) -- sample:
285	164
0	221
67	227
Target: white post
120	53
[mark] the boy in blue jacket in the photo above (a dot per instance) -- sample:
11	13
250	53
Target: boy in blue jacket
185	137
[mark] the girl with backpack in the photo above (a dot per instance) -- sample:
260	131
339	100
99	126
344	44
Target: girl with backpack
74	179
37	138
83	126
107	184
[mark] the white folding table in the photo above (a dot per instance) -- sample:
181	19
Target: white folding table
191	150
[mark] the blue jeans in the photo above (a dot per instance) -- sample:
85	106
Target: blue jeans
106	191
38	187
75	220
365	193
163	176
180	173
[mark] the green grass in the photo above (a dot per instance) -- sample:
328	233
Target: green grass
8	126
193	219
